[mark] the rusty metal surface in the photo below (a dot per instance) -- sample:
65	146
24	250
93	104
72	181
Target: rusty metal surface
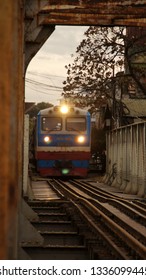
90	12
11	107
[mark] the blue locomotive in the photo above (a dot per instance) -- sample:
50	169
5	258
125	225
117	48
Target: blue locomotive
62	144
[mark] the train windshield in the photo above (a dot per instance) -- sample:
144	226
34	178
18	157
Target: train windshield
51	123
76	124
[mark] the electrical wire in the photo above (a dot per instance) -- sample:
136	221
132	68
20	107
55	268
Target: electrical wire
36	83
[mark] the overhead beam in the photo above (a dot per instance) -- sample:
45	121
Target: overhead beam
35	34
35	40
100	8
94	12
90	19
43	14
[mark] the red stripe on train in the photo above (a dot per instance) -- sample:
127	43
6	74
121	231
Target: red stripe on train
44	172
63	155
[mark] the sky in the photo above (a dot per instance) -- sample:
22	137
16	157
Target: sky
46	71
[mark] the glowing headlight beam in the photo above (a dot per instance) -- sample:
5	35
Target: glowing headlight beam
47	139
81	139
64	109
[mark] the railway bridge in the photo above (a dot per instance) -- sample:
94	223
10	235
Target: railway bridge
24	27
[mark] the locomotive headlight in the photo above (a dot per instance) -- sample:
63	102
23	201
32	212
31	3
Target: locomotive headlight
80	139
47	139
64	109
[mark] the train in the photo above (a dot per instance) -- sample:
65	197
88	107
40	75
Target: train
63	141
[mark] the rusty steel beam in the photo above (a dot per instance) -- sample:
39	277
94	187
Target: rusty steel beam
103	9
91	3
95	12
139	22
89	19
77	19
87	12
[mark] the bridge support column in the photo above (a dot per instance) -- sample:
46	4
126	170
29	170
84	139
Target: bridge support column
11	122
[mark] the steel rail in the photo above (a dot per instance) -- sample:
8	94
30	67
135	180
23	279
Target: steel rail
93	225
122	233
113	201
136	204
139	248
100	232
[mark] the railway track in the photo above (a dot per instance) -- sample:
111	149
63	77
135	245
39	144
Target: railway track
82	221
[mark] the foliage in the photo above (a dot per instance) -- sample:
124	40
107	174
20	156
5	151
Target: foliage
135	55
104	52
89	77
36	108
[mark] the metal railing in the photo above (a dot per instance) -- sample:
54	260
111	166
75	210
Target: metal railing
126	158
